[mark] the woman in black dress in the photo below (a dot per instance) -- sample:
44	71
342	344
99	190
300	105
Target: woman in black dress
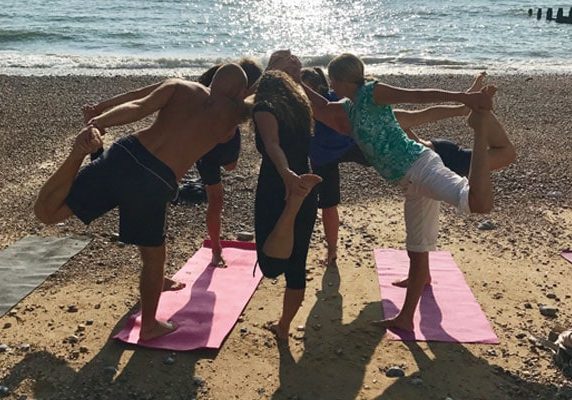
285	206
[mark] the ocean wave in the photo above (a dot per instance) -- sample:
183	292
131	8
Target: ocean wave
15	63
20	35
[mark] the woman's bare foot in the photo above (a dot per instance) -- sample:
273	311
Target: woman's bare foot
395	323
405	282
476	86
478	82
217	260
158	329
172	285
279	331
310	180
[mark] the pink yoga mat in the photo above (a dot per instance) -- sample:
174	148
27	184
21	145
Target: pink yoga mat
447	312
208	307
567	254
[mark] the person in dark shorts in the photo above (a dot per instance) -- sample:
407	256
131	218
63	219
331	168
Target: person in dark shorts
223	155
138	174
283	126
329	149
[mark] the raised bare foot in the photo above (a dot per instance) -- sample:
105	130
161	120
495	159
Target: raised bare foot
279	332
217	260
395	323
158	329
405	282
310	180
479	82
172	285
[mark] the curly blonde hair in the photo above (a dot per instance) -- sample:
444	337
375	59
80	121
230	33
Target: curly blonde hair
287	98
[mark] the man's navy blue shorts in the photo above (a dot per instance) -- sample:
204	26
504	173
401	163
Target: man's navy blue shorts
456	158
129	177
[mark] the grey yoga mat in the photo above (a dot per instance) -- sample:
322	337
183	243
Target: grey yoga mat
28	262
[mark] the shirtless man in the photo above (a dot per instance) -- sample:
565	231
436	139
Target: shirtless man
139	172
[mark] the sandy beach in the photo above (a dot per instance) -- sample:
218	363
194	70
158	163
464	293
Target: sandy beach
511	270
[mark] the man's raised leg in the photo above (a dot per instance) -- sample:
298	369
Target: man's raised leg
151	285
50	206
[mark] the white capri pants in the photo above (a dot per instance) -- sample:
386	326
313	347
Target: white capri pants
426	184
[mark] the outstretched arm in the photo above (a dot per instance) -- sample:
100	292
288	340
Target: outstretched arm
94	109
386	94
412	118
135	110
330	113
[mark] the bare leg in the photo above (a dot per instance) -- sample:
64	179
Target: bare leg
50	206
488	133
418	274
331	222
292	301
151	284
280	242
215	196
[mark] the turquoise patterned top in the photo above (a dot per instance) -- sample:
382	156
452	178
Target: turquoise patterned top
379	136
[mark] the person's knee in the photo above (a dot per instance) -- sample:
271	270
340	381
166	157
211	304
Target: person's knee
510	155
271	268
44	215
41	213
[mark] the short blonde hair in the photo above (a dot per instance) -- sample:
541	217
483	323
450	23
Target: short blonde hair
347	68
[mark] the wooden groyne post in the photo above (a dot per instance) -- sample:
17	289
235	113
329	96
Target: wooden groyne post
560	18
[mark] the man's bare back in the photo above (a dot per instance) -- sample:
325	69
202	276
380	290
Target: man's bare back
191	124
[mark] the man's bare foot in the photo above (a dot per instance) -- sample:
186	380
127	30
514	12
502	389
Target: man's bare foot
395	323
280	332
405	282
172	285
158	329
217	260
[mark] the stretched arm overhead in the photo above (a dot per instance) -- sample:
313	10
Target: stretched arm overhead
386	94
135	110
412	118
330	113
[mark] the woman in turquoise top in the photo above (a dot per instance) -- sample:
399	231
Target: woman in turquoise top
366	114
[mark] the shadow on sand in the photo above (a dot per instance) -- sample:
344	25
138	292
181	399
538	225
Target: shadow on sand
119	371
